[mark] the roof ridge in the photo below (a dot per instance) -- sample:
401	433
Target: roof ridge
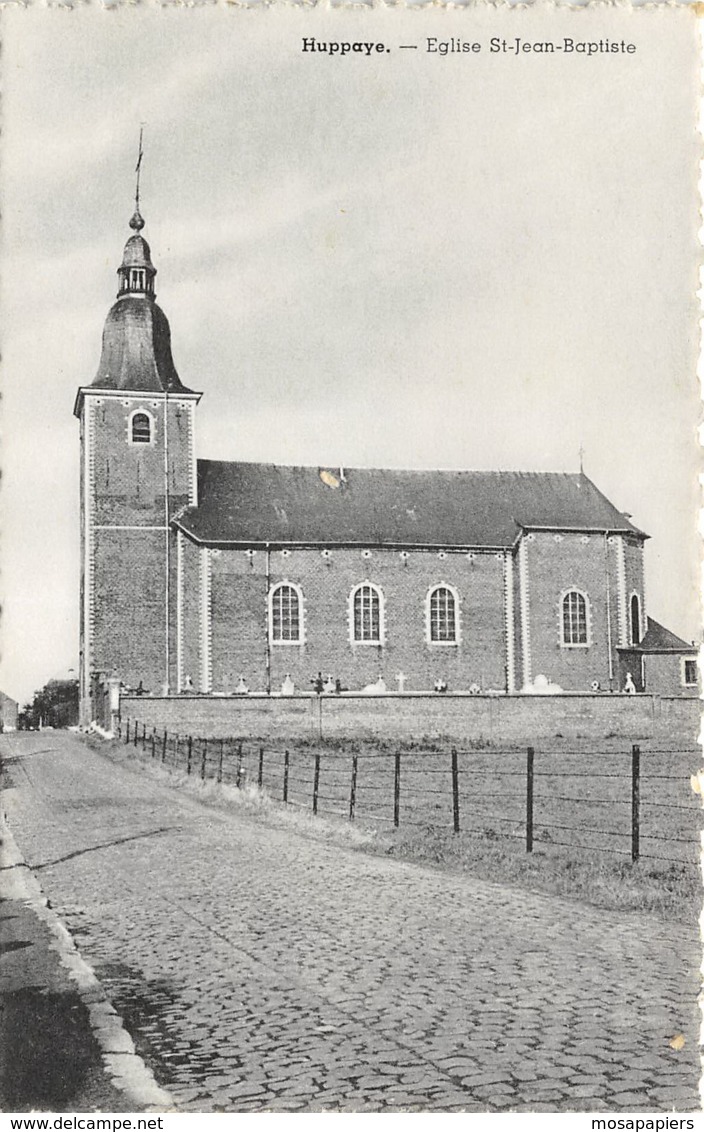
391	471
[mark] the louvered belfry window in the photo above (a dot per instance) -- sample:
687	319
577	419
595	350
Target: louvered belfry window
367	614
574	618
285	615
141	429
443	616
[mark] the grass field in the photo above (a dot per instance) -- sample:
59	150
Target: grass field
582	808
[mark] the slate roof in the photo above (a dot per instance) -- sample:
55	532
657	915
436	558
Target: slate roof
254	504
136	352
660	639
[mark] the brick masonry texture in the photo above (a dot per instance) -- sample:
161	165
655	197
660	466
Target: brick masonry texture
239	615
507	719
635	581
190	618
129	606
239	601
128	567
666	672
561	562
128	479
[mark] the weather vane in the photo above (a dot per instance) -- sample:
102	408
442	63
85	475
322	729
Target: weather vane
138	166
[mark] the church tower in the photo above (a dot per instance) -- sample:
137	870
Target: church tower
138	469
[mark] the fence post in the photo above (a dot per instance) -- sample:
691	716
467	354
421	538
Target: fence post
203	760
260	775
220	758
455	792
397	787
127	733
135	735
144	736
153	742
529	800
353	787
163	748
635	803
190	753
316	782
238	781
286	775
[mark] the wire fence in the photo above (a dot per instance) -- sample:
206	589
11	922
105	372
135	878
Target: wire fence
635	803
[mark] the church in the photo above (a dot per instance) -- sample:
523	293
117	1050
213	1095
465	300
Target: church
223	577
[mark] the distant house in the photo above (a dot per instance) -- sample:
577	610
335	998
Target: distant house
9	710
662	662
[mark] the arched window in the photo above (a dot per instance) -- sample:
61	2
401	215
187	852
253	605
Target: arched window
441	616
285	615
575	625
137	275
141	428
635	619
367	614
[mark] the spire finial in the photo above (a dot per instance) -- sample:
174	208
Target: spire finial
137	223
581	458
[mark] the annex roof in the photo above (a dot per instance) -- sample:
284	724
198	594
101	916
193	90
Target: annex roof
660	639
255	504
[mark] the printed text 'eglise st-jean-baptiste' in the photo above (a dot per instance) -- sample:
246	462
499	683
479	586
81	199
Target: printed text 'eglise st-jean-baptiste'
497	45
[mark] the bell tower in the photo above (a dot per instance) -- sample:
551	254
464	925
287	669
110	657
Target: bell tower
138	469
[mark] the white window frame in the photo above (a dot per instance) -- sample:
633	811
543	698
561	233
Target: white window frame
428	620
300	639
141	412
587	619
634	593
382	615
690	683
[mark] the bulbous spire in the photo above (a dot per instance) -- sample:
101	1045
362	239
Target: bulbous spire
136	351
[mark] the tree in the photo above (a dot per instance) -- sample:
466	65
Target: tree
56	704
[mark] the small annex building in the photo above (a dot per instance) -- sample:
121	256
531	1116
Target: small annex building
662	662
219	575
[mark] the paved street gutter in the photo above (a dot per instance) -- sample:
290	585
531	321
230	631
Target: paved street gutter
62	1045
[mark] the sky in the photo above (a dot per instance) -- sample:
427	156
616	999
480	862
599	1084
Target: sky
471	260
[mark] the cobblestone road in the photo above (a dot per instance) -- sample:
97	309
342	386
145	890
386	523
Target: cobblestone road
258	969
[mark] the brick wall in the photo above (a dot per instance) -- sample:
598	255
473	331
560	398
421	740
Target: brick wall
123	507
129	613
558	563
240	619
633	556
500	719
128	479
189	581
666	671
